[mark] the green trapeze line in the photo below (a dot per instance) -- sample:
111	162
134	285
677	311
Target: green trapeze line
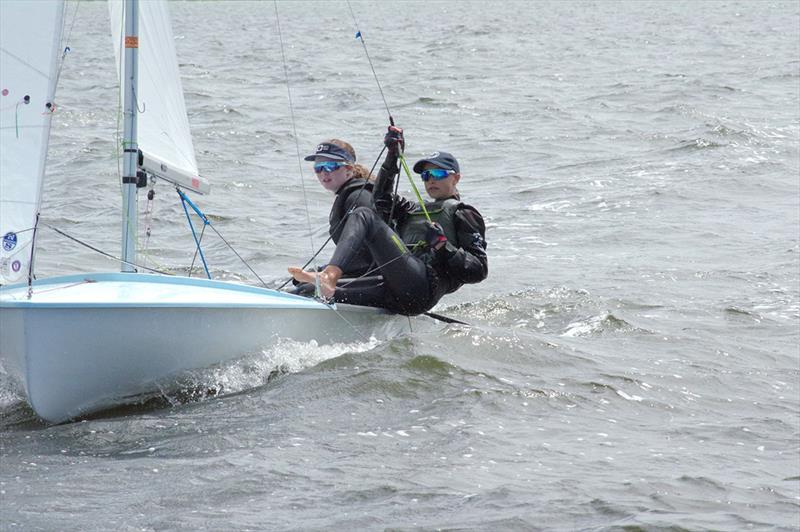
414	186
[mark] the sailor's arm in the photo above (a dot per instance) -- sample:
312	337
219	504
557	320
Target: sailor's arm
384	186
383	191
466	259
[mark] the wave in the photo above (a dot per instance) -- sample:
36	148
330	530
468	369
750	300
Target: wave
599	325
427	101
562	311
695	144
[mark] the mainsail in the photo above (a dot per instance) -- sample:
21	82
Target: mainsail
164	137
30	51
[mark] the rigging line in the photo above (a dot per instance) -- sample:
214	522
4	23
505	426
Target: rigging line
100	251
414	187
25	63
20	231
61	287
373	270
360	36
333	308
294	124
136	102
184	201
354	279
30	262
206	222
148	217
67	41
197	249
237	254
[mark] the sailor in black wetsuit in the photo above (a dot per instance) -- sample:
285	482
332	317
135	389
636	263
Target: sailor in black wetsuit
335	167
419	262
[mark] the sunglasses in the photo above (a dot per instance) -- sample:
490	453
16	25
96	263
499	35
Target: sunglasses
436	173
327	166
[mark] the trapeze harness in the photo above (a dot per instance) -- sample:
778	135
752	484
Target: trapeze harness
415	227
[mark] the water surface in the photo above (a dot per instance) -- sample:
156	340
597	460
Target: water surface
633	357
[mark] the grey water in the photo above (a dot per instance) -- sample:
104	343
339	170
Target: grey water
632	361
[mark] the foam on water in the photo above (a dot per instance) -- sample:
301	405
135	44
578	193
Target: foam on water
284	357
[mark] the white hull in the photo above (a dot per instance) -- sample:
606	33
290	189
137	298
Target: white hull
84	343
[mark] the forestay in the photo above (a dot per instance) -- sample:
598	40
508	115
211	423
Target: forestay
163	128
30	50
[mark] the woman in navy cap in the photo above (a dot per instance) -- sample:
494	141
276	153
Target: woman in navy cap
419	260
336	169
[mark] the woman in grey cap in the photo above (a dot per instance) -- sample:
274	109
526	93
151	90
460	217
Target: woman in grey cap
336	169
419	260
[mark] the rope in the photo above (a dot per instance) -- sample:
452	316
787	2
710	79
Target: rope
115	258
333	308
237	254
184	200
67	41
294	124
207	223
30	262
100	251
414	187
197	250
148	220
360	36
51	106
373	270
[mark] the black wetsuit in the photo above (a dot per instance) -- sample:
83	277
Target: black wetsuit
413	280
355	193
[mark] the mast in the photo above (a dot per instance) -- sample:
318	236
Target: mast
130	142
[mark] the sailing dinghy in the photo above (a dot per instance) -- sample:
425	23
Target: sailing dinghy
82	343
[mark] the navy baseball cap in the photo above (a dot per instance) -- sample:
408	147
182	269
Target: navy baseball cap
331	151
441	159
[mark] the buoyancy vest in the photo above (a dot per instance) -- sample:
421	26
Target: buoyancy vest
442	212
339	208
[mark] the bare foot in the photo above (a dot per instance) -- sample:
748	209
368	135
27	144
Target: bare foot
327	278
327	284
302	276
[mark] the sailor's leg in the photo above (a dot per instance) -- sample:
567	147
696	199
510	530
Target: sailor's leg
366	294
405	276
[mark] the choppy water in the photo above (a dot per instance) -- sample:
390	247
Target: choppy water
633	361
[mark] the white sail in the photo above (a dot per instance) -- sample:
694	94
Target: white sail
30	51
163	128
